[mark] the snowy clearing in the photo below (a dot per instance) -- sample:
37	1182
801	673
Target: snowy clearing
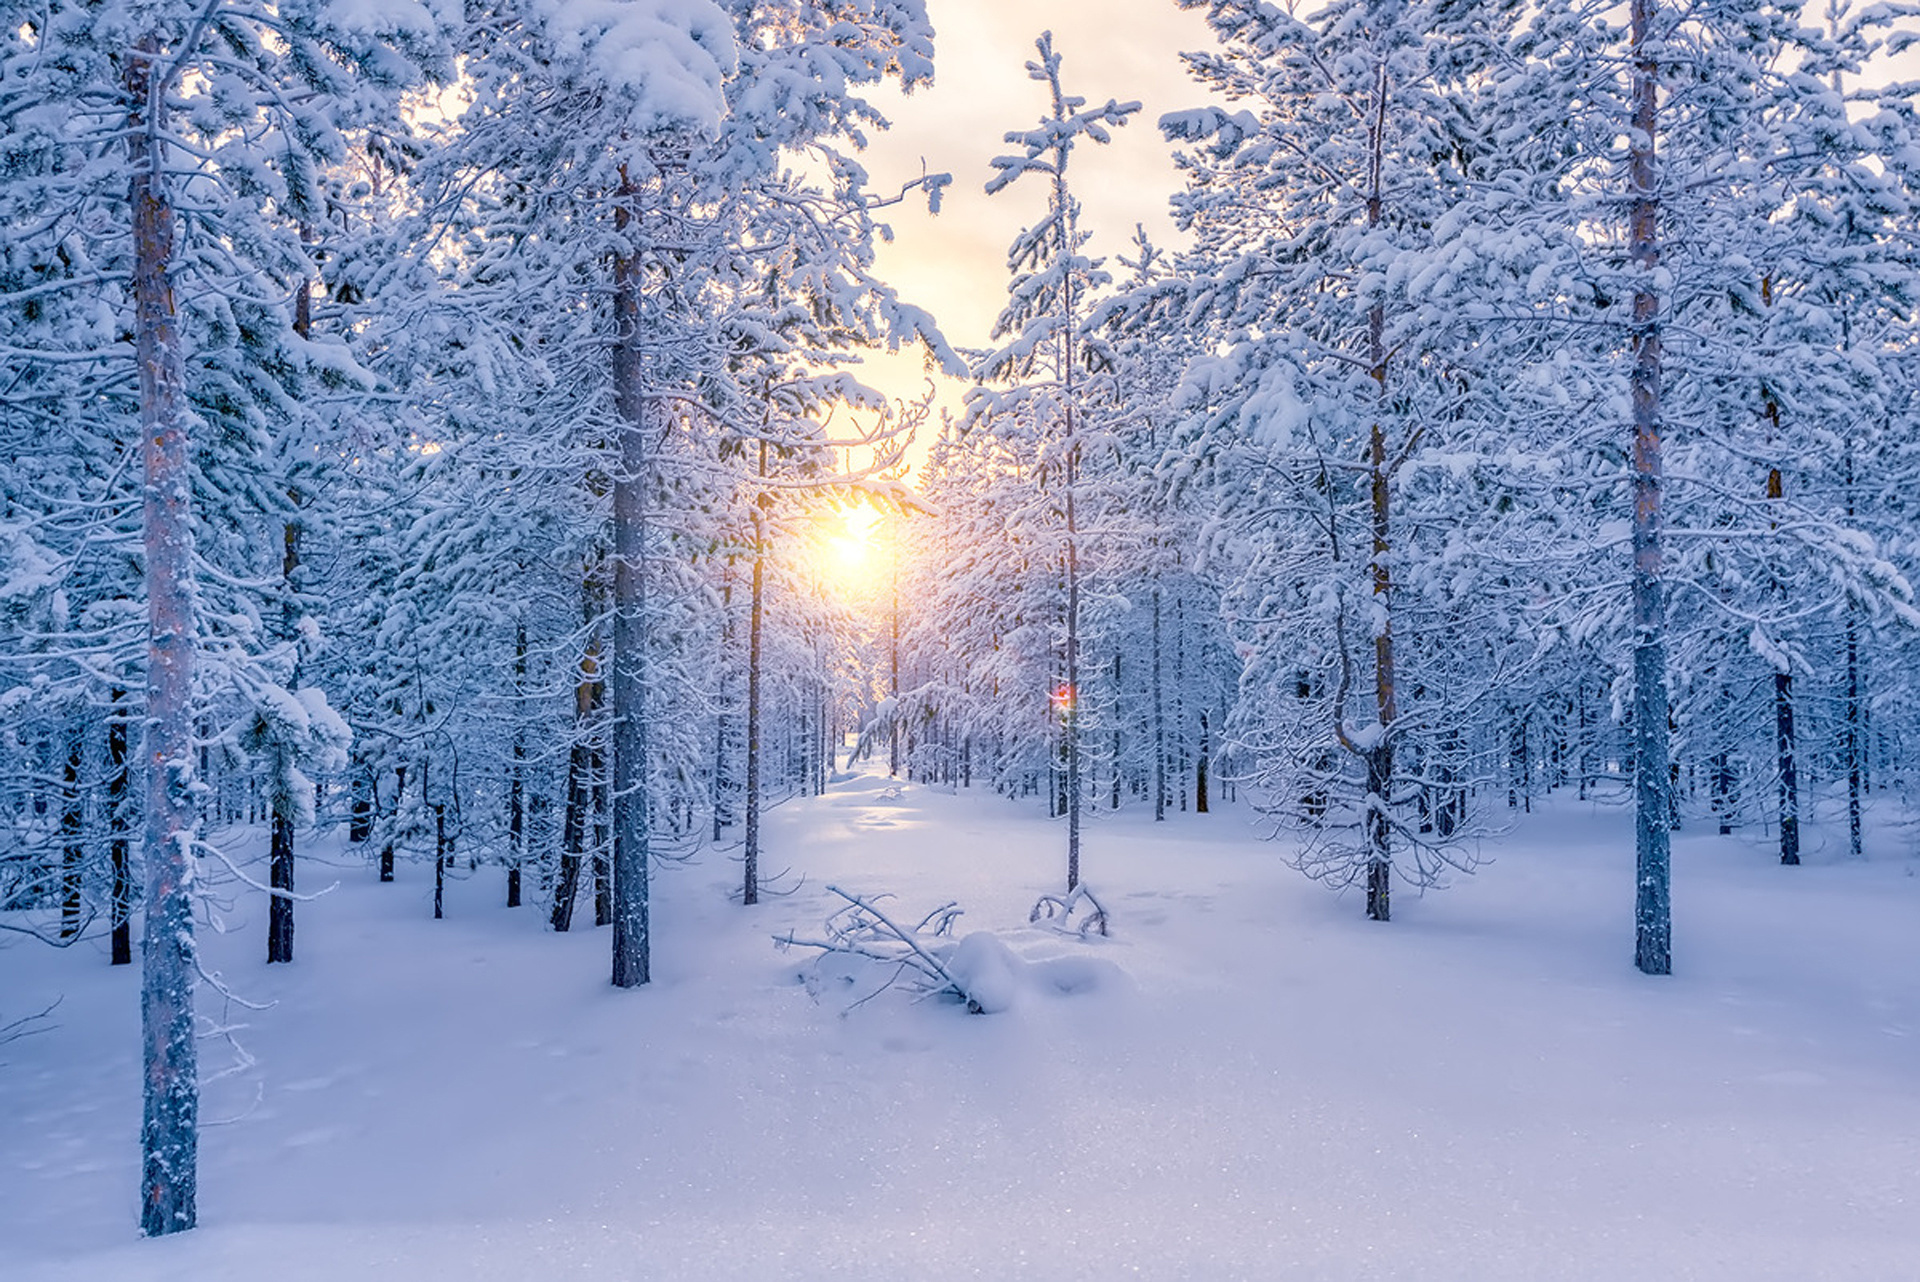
1245	1080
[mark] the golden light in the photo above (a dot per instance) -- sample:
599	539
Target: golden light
850	542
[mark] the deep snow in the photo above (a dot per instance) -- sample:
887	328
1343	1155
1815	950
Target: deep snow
1256	1082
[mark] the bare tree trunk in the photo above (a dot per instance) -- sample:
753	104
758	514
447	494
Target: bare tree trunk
360	823
756	614
117	832
1202	764
573	838
1074	787
280	854
517	776
602	814
1379	755
169	1130
73	854
1852	714
439	861
1159	721
1783	736
893	687
1653	951
632	819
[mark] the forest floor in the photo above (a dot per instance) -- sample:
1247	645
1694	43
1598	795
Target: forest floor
1260	1085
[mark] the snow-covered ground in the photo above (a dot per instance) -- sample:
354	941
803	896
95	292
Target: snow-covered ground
1261	1085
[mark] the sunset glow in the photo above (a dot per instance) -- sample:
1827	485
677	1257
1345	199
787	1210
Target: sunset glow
849	542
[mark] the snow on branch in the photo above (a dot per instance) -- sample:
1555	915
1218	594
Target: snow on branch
1057	911
862	930
981	970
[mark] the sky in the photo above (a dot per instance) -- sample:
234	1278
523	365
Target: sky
954	263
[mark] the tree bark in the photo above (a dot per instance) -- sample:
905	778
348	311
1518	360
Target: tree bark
1159	722
1653	806
756	612
573	830
1201	766
632	819
117	780
1852	714
1379	755
517	776
169	1129
280	854
73	854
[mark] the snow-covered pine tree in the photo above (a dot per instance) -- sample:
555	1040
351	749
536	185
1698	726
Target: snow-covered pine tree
1036	384
1338	412
240	104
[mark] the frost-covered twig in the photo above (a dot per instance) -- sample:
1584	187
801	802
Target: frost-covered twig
207	847
1058	911
25	1025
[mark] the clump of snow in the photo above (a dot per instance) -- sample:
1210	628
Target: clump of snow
986	971
995	977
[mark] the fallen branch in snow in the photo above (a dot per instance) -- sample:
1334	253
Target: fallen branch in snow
27	1025
863	930
1059	911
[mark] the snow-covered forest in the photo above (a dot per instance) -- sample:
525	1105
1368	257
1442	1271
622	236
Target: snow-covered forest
440	445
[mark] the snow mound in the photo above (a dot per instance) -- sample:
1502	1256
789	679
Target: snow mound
993	976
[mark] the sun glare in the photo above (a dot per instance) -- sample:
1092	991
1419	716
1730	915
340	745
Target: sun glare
850	542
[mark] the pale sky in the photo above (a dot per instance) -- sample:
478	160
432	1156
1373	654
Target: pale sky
954	264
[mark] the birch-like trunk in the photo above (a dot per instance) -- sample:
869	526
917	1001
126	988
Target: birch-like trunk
169	1129
1653	951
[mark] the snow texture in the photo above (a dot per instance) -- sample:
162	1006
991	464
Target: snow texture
1248	1080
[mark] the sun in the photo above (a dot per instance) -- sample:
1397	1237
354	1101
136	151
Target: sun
849	542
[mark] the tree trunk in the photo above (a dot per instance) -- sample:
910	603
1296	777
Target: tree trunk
1201	765
360	824
602	812
1653	927
517	776
893	684
73	854
1852	712
1789	769
1159	721
632	820
756	614
1783	737
573	829
280	854
1379	754
117	781
169	1130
